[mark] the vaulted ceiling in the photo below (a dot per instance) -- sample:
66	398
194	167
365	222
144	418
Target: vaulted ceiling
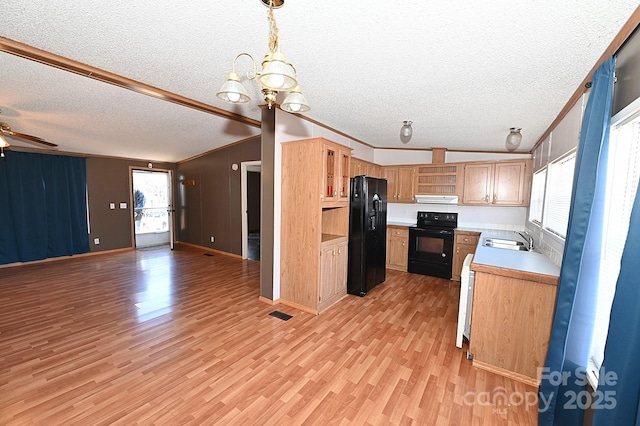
464	72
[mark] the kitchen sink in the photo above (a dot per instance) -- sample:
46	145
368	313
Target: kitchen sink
505	244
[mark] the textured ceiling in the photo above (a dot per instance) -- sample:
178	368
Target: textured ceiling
463	72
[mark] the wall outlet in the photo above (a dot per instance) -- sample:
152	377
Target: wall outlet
96	241
112	206
123	205
213	239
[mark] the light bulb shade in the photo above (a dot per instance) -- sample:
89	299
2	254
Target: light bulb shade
3	141
406	130
295	101
233	91
513	139
276	73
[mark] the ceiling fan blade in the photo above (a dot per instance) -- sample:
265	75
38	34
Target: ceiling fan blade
29	138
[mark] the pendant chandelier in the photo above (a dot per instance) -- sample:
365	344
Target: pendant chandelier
276	75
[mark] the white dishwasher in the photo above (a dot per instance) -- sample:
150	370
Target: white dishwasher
466	301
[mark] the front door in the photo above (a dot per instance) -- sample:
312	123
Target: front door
152	208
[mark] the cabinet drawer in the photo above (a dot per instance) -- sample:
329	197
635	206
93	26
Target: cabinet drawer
399	231
467	239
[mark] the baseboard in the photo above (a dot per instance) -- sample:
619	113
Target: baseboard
75	256
298	306
225	253
268	301
506	373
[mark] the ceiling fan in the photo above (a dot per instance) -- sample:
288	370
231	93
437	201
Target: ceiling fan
5	130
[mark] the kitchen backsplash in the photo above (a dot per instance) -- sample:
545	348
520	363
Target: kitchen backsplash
502	218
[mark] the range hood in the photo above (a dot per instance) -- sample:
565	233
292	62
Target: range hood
436	199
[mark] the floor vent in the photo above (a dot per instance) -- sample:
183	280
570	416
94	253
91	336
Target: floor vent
281	315
208	254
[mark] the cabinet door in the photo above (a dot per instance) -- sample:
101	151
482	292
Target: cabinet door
327	273
371	170
397	248
330	170
478	182
391	175
355	167
405	184
341	268
343	173
509	184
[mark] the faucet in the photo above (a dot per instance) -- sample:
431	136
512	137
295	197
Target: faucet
527	237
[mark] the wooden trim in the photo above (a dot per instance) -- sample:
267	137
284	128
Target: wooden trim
513	273
268	301
617	42
438	155
506	373
225	253
82	154
298	306
66	64
75	256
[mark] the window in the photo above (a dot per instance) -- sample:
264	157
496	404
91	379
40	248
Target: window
623	171
558	199
537	196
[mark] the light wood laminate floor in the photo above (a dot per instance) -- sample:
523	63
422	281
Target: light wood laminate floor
173	338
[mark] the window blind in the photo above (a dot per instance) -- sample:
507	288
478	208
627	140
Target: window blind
558	202
623	172
537	196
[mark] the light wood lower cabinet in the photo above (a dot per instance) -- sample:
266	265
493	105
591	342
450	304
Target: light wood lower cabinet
466	243
397	247
333	271
511	323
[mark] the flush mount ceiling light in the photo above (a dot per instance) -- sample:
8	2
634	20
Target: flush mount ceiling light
406	131
514	138
276	75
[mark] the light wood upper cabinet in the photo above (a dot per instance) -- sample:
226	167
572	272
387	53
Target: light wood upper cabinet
400	183
356	167
437	179
397	247
504	183
361	167
336	173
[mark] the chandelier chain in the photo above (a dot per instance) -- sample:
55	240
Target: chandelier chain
274	37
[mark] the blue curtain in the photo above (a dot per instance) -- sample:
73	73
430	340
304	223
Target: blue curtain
619	384
574	313
43	207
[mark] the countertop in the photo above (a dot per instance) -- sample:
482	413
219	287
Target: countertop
531	265
518	264
401	223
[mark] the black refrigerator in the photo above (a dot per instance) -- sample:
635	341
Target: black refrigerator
367	234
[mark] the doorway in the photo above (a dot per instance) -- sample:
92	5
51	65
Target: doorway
152	208
250	183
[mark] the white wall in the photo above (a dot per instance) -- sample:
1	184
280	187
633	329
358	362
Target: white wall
477	217
390	157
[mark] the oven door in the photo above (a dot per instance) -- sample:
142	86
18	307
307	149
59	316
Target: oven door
431	252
